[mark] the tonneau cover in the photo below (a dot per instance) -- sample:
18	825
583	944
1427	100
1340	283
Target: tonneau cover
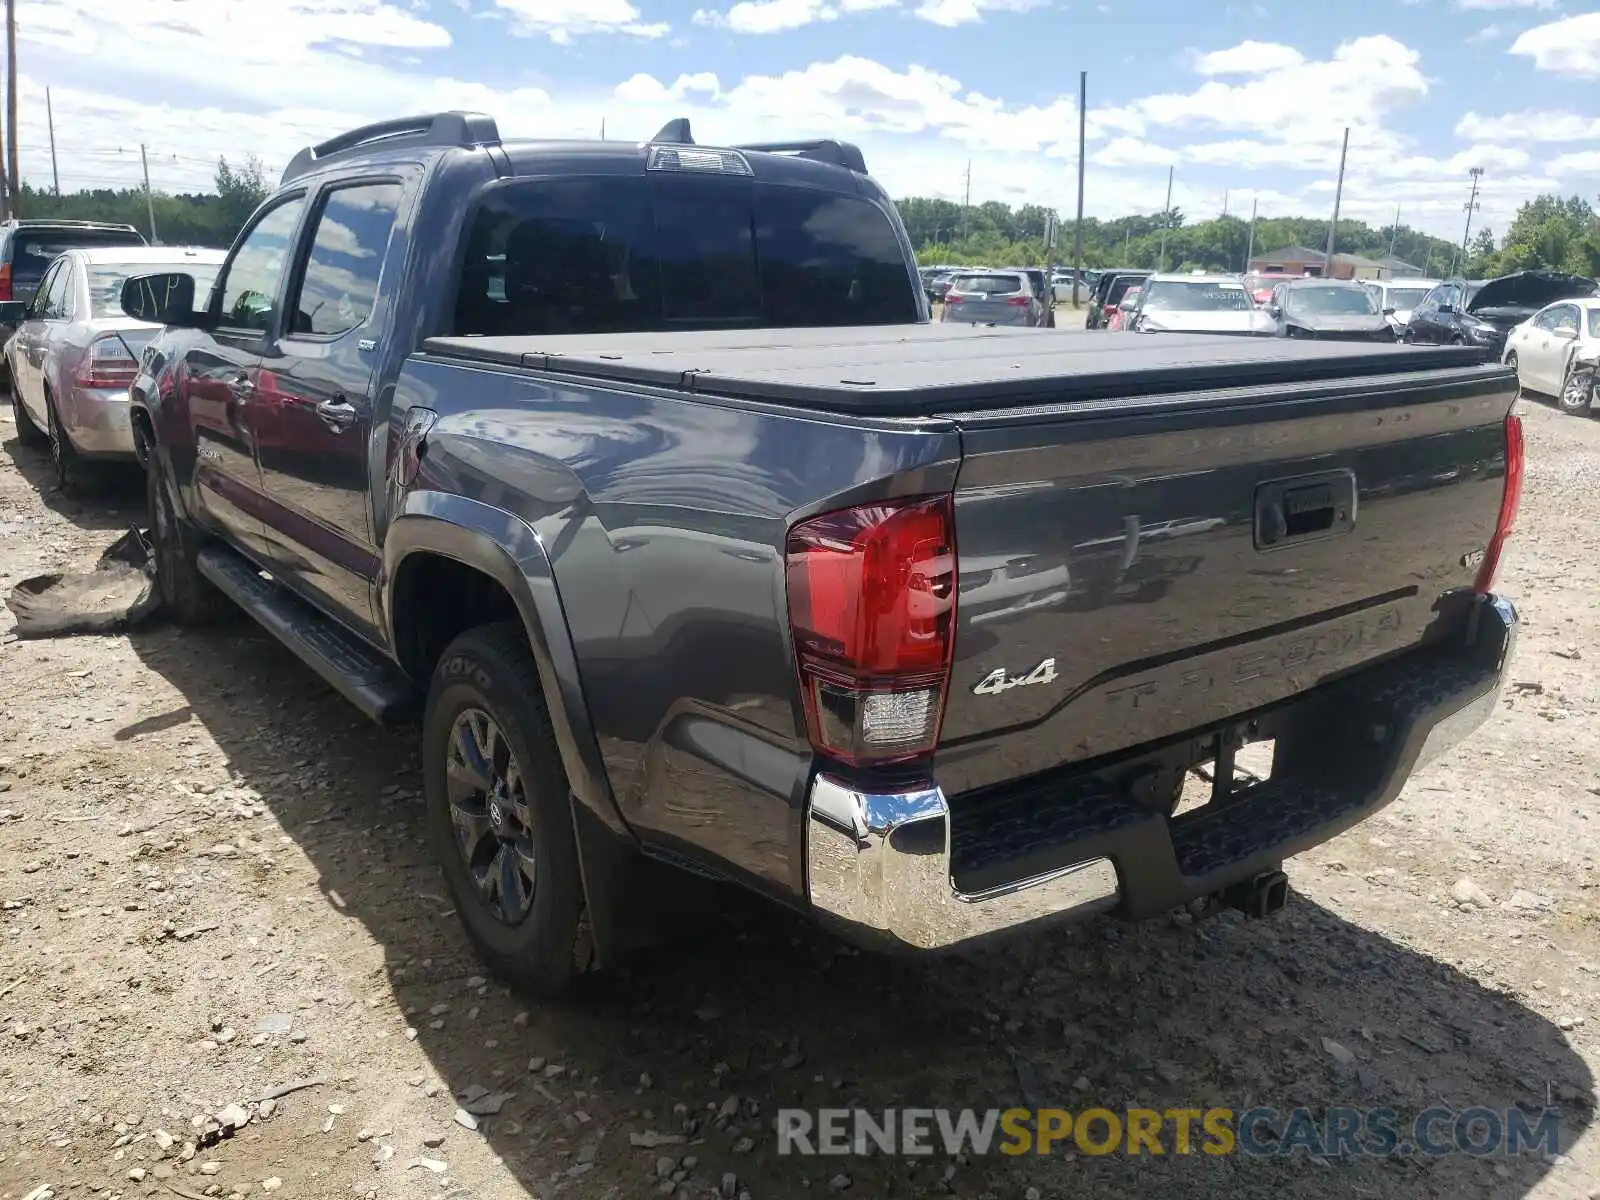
916	369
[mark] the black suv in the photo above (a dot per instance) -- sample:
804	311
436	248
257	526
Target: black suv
27	247
1480	312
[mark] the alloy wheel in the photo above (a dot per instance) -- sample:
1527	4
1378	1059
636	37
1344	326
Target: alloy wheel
491	815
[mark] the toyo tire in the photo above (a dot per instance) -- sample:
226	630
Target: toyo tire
499	812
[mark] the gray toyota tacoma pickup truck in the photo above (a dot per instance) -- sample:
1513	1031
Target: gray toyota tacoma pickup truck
636	476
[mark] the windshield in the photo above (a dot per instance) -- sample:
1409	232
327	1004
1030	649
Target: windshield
1003	284
1332	301
1594	322
1196	297
105	281
599	255
1403	299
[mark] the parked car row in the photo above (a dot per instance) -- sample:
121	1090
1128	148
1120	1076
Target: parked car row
70	351
1544	324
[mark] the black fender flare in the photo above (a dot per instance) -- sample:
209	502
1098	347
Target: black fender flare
505	548
500	544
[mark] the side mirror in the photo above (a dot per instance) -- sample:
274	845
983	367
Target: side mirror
13	312
1388	312
165	299
1565	333
1273	311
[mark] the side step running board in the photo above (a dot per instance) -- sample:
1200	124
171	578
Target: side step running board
360	674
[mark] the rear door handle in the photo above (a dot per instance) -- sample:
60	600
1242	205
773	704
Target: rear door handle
338	414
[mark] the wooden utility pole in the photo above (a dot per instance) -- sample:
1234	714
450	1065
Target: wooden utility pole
1338	195
1250	240
966	202
1077	236
50	116
149	200
1471	206
13	169
1166	222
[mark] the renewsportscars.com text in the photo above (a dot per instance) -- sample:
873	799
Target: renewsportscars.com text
1257	1132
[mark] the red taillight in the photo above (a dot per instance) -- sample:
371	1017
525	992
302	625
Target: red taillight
872	599
108	364
952	298
1510	499
5	281
1018	302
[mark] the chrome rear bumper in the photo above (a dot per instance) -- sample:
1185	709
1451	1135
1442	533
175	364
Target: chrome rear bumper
879	869
879	864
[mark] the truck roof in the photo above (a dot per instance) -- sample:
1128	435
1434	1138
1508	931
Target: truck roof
906	370
824	162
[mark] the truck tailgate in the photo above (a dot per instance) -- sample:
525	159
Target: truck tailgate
1125	576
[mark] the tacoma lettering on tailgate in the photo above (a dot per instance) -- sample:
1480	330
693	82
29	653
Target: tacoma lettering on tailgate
1338	640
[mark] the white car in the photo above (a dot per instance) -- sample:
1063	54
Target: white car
1397	297
1196	304
1555	352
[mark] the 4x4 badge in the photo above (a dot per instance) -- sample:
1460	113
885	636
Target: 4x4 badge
997	681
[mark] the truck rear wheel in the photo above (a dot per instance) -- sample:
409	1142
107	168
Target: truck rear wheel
499	812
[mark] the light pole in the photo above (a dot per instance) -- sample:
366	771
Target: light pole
1472	204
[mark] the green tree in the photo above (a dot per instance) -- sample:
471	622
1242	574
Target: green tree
241	190
1483	257
1554	233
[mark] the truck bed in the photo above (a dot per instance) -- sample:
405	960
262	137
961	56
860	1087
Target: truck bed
910	370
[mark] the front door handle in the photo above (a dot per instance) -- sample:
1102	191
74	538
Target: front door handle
242	387
338	414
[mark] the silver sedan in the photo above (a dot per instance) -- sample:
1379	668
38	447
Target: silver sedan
75	352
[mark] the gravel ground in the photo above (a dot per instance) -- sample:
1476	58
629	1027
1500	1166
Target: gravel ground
213	886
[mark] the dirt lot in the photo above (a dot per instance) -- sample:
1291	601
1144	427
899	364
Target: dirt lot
214	884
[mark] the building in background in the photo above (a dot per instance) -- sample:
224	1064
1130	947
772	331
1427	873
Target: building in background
1302	260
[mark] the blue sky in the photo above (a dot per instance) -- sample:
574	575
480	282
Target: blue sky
1247	100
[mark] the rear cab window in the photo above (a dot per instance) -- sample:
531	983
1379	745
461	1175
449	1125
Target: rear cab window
994	285
33	250
608	254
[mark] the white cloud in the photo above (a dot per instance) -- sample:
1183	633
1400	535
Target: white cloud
1530	126
852	95
951	13
1570	46
563	20
1248	58
1365	80
1486	35
1585	163
647	89
768	16
779	16
1494	5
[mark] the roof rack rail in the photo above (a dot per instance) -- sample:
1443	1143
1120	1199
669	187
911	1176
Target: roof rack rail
463	129
827	150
